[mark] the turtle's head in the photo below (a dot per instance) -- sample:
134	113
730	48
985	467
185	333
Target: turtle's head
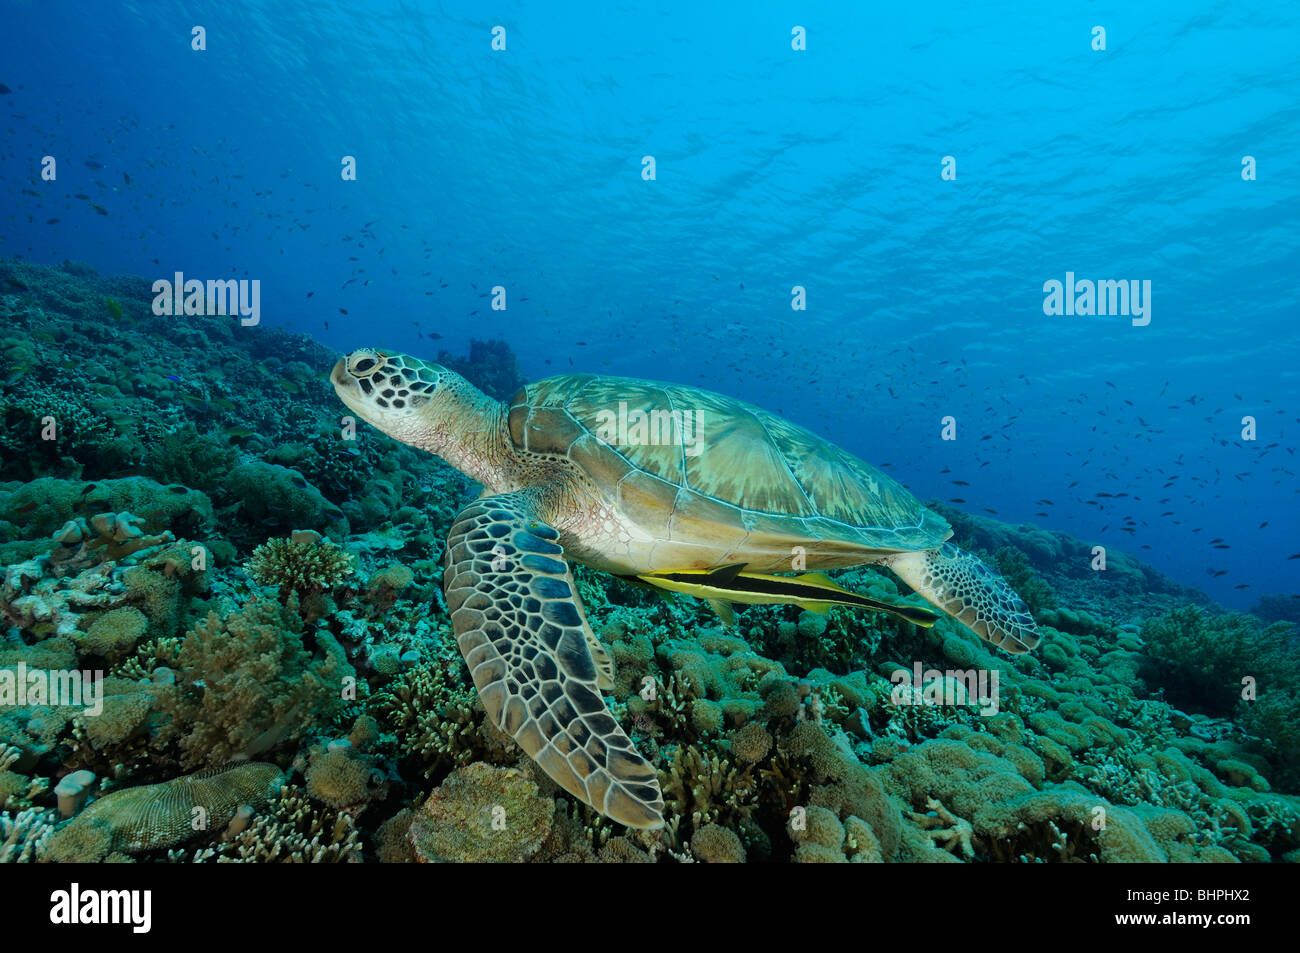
387	389
426	405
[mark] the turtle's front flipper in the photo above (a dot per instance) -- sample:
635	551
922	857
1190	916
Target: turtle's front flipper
969	591
521	628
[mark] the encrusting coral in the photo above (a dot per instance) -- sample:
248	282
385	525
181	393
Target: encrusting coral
482	813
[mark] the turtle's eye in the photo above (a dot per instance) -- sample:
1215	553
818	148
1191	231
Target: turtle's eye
364	365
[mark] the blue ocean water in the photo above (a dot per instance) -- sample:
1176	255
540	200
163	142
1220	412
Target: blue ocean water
774	168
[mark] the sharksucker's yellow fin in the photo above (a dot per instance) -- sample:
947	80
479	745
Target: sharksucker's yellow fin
821	579
724	610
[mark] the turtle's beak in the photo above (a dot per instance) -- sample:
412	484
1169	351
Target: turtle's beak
348	390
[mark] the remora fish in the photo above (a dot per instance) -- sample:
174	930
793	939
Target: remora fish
812	591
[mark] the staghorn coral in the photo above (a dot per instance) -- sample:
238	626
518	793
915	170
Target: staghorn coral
948	832
23	836
703	786
163	815
434	712
291	830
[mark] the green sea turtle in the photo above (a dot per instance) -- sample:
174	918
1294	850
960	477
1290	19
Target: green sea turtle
672	485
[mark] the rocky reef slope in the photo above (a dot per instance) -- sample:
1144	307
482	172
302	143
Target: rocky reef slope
263	598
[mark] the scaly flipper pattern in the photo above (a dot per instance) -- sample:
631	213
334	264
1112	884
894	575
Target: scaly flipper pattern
972	593
520	625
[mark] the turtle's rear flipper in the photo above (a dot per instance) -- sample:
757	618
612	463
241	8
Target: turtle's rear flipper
971	592
520	625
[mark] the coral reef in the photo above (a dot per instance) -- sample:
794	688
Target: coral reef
254	581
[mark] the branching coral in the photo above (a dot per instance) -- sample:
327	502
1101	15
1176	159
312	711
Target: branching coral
291	830
435	714
23	836
705	787
303	563
949	832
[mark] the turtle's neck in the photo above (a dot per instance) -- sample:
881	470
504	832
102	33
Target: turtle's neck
470	434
